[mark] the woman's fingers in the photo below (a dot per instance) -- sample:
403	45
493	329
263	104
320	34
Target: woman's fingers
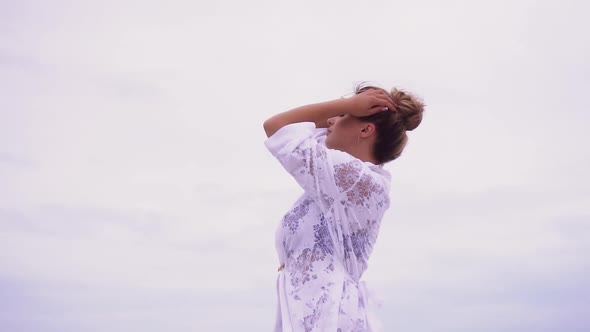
377	109
384	101
376	101
381	98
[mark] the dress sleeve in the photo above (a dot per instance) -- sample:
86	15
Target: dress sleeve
323	173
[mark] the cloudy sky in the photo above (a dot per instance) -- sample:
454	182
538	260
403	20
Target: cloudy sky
136	193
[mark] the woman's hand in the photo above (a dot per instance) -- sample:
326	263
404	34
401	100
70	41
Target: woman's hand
370	102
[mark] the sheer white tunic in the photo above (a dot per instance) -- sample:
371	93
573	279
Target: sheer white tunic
326	238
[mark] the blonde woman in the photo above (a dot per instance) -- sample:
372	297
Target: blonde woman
335	150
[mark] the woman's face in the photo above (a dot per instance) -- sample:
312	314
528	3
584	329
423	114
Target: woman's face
343	132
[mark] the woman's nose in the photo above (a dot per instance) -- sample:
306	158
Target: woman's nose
330	121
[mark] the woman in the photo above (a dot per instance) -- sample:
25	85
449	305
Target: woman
325	240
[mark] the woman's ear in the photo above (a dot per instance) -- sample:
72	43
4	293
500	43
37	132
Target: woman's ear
368	129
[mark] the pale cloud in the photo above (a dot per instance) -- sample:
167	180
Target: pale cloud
135	187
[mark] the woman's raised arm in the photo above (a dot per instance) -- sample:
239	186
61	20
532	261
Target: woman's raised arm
362	104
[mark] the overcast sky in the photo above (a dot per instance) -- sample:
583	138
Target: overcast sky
136	193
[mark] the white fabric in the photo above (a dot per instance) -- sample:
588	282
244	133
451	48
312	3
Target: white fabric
326	238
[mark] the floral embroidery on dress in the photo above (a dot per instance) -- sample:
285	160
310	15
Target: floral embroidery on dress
310	321
288	252
347	174
323	240
292	218
302	266
360	242
327	200
329	268
363	191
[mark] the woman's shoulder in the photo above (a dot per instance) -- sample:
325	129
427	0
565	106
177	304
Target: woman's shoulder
350	171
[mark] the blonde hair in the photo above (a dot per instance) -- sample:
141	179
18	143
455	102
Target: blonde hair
391	127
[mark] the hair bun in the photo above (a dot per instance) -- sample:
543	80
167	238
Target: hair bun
409	106
392	127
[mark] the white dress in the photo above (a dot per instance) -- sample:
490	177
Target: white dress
326	238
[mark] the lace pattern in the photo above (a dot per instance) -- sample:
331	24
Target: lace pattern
326	245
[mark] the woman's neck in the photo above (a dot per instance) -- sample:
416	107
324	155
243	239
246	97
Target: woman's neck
364	151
